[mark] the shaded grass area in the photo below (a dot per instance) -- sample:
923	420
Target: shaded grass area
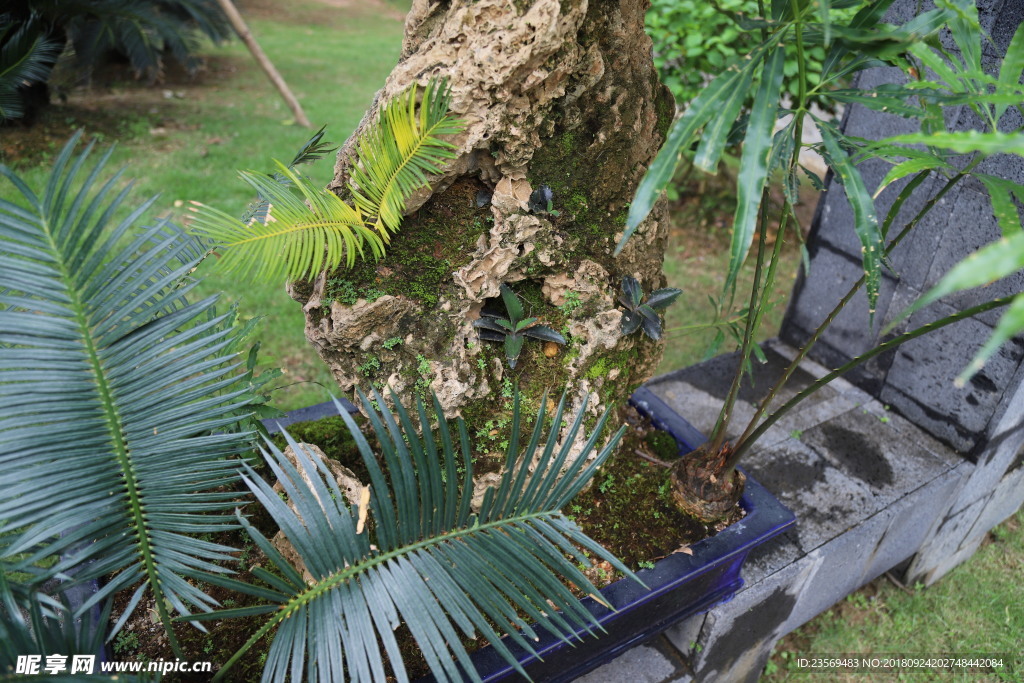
977	609
697	260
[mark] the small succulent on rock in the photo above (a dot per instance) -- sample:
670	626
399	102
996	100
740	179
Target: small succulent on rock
514	329
542	201
644	313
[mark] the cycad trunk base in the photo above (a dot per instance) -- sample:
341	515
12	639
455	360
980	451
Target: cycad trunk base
705	484
563	111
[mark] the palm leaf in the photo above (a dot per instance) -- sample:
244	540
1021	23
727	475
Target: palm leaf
304	230
44	625
709	104
112	390
299	230
964	142
430	561
398	152
992	262
26	55
864	214
142	31
1011	68
312	150
757	147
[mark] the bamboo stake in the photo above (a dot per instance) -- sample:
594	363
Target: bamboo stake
261	58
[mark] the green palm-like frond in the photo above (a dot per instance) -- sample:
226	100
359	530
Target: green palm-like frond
313	150
398	152
429	561
143	30
299	230
45	625
26	56
304	230
113	389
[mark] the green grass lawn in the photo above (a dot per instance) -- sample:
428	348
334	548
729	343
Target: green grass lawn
697	260
978	608
186	138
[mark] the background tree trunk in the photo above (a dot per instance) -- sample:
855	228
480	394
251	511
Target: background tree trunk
557	93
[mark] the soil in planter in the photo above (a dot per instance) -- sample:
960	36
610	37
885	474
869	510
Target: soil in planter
627	509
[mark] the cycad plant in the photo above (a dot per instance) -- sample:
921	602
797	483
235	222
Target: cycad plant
119	443
144	31
26	57
301	230
707	484
415	551
45	625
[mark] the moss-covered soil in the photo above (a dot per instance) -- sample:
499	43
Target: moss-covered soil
629	508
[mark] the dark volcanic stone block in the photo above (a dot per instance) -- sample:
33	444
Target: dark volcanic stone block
920	383
971	227
831	276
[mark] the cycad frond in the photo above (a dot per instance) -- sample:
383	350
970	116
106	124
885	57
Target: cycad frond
26	56
44	625
302	233
314	149
112	390
399	150
430	561
142	30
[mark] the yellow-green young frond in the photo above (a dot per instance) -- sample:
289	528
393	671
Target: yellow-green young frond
306	230
399	151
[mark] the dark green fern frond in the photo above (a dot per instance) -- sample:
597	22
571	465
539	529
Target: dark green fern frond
314	149
398	152
305	230
45	625
415	552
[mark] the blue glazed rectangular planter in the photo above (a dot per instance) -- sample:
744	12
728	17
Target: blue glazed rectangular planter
678	586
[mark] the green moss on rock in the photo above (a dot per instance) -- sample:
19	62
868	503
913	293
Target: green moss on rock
437	240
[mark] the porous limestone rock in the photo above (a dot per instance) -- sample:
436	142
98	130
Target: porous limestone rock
561	94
